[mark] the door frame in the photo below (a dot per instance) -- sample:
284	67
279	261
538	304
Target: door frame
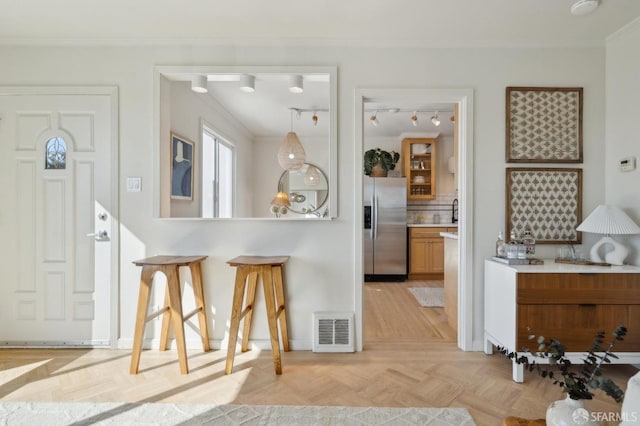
464	99
112	93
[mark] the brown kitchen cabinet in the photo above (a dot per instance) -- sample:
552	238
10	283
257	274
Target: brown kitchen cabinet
570	303
426	252
419	163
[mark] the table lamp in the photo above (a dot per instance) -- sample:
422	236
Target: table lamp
280	204
609	220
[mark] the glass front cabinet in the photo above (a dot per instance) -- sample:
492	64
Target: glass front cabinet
419	156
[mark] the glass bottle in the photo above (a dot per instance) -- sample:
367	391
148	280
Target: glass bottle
512	246
522	251
500	248
529	244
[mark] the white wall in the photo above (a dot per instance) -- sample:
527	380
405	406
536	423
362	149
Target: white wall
320	272
622	136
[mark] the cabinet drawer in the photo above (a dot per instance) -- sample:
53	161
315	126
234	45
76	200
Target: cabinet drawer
558	288
429	232
576	325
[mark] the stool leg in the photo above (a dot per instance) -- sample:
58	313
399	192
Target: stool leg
166	319
250	304
198	290
175	306
236	313
267	283
281	311
146	278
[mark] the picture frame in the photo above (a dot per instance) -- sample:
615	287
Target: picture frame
182	160
544	125
546	201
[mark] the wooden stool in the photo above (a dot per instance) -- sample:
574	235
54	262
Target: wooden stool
172	310
269	269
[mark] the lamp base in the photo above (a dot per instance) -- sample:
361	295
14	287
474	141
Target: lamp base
614	257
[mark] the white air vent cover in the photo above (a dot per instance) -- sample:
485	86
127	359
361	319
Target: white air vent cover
333	332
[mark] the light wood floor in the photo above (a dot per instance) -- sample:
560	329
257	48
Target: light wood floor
410	359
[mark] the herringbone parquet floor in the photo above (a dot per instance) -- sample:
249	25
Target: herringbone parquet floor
410	359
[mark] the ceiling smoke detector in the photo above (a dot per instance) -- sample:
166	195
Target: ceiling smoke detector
584	7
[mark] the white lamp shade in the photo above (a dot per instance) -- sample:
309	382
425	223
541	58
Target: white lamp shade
247	83
291	155
609	220
199	83
295	84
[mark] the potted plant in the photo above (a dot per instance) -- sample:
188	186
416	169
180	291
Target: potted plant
576	384
377	162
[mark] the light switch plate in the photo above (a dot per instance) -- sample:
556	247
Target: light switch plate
628	164
134	184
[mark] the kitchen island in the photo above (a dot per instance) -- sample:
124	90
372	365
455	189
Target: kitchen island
451	277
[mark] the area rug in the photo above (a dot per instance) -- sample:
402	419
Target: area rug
112	413
430	297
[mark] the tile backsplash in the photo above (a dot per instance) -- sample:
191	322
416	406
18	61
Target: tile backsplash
427	210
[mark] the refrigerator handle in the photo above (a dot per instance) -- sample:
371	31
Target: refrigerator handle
374	217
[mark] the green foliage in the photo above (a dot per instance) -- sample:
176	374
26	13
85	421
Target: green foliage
375	156
576	384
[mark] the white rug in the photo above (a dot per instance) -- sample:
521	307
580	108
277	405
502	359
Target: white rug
429	297
113	413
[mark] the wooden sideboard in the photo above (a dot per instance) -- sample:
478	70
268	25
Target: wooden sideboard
570	303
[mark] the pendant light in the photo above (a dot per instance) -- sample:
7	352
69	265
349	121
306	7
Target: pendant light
247	83
199	83
312	176
291	155
295	84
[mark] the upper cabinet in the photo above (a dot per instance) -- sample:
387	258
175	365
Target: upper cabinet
419	156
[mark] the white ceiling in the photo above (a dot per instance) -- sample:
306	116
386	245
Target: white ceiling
425	23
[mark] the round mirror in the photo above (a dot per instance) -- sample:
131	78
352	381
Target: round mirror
307	189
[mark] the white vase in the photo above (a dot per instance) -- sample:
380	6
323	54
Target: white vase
569	412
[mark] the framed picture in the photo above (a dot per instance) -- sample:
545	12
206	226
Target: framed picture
544	125
547	201
182	157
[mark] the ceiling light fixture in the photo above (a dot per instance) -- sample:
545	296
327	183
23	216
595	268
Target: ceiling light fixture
435	120
584	7
414	118
315	118
247	83
291	155
295	84
199	83
374	119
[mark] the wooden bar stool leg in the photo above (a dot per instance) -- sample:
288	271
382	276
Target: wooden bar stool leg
236	314
250	303
166	320
146	278
267	283
281	311
175	304
198	290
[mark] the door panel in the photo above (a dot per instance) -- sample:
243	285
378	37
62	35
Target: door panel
58	289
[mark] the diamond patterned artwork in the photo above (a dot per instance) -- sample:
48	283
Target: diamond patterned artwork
544	125
547	201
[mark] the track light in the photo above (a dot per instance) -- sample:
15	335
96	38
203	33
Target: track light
315	118
247	83
414	118
199	83
435	120
374	119
295	84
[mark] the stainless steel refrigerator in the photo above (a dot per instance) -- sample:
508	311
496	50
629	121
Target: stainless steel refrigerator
385	229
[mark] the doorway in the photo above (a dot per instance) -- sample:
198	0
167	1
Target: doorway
463	98
59	217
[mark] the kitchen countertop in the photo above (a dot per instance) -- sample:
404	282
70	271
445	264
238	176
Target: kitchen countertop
432	225
452	235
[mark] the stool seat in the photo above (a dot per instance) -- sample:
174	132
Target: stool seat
269	270
172	309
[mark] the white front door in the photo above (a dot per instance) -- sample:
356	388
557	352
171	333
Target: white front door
57	225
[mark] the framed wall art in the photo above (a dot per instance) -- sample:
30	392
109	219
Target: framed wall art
544	125
182	157
547	201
